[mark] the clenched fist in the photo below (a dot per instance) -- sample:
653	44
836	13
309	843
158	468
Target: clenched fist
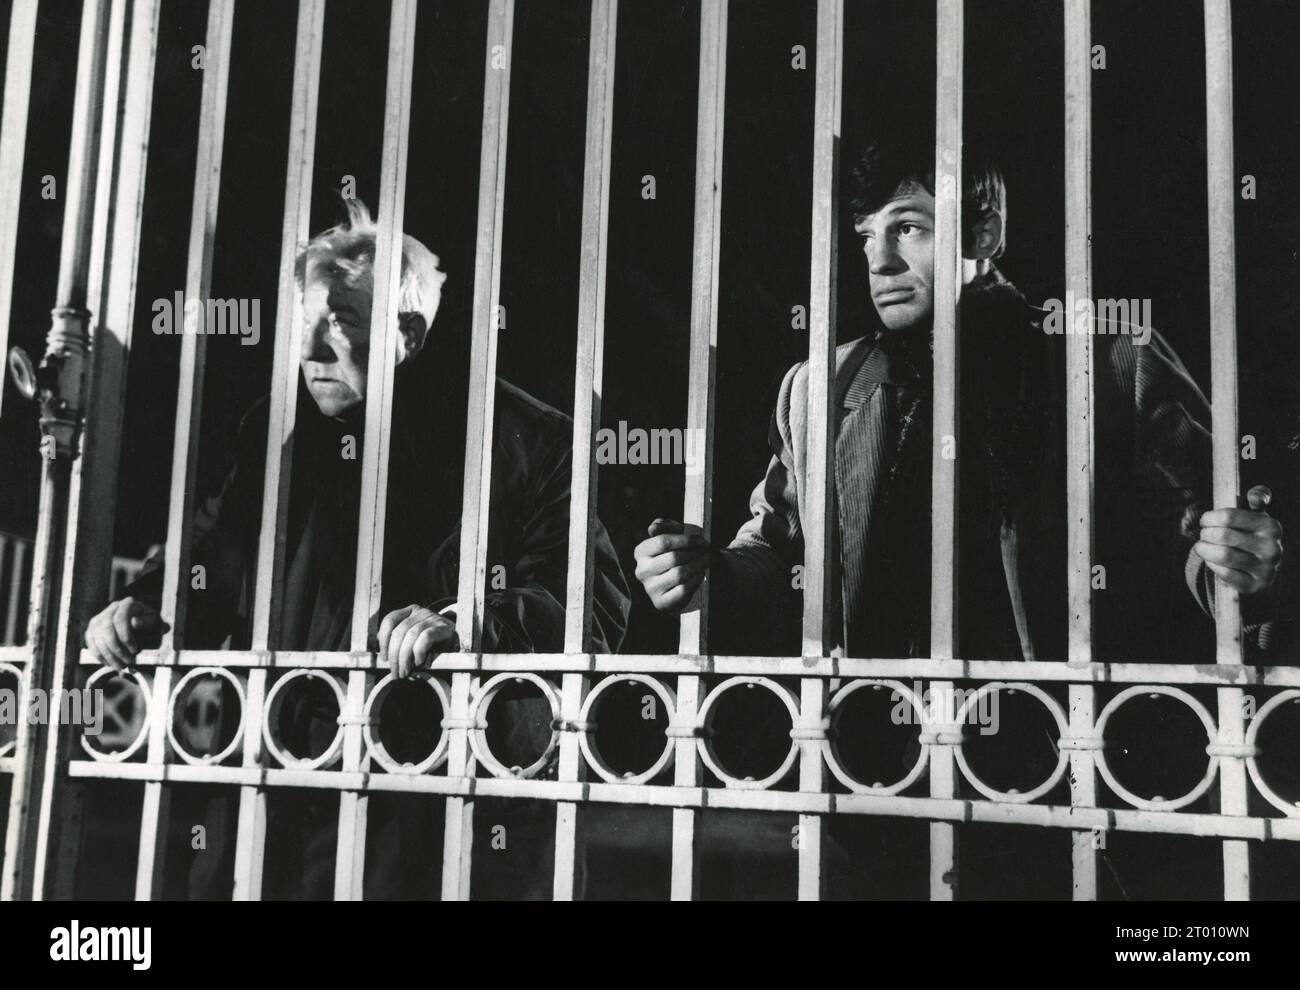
1243	546
671	564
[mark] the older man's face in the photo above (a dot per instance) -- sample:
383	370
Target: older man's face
335	344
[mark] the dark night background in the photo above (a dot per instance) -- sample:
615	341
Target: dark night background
1149	238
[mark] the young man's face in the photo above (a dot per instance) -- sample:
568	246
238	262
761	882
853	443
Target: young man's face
335	344
898	241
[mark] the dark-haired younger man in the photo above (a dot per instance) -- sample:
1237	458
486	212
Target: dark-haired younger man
1159	548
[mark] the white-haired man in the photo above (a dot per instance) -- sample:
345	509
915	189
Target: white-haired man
528	528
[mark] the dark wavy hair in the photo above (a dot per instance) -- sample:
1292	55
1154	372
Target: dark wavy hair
903	157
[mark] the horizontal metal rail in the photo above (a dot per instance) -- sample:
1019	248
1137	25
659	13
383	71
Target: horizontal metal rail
657	663
940	809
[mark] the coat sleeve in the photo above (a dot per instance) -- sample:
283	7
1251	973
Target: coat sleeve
527	616
1172	457
219	532
755	597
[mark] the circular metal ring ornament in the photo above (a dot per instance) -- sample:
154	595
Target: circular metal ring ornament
705	742
275	701
371	720
1289	808
1156	803
831	746
478	717
120	755
178	693
591	749
1063	757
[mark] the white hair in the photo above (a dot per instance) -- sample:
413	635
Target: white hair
349	250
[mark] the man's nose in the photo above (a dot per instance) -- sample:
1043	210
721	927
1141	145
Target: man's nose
315	342
883	258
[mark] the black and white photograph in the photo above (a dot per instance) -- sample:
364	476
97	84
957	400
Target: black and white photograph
647	450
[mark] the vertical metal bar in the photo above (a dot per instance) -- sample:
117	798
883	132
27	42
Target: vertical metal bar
1079	425
384	329
103	247
251	833
65	358
458	833
13	146
487	283
591	321
587	388
820	565
458	823
17	561
684	885
693	636
354	806
155	807
943	534
83	155
817	509
288	323
706	251
948	285
384	332
568	851
7	564
198	285
189	412
250	829
1221	186
1078	280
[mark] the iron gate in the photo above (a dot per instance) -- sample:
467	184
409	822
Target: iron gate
86	369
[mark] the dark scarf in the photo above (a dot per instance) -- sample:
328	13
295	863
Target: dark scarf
1004	430
426	457
1003	402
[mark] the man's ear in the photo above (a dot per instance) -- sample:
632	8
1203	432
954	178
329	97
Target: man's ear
985	236
413	331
